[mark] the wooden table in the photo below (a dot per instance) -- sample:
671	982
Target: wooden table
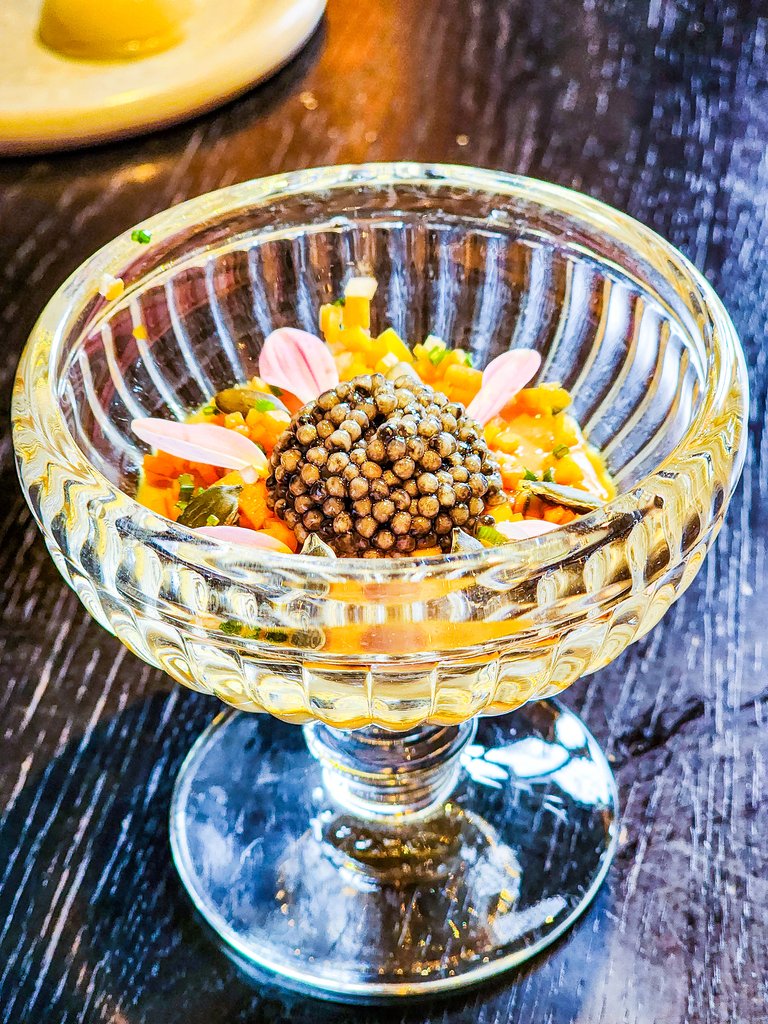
657	107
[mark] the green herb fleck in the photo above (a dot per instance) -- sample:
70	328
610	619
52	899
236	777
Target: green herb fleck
549	476
437	355
468	360
186	487
141	236
209	410
276	391
489	536
264	405
560	451
528	475
212	520
339	302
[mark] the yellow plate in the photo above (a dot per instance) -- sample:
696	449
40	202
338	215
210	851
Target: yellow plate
51	102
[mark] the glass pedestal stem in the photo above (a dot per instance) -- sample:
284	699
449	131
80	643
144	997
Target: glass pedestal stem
374	773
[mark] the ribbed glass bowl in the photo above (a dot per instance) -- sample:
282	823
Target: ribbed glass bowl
485	260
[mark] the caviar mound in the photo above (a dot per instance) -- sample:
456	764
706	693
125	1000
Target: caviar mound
378	467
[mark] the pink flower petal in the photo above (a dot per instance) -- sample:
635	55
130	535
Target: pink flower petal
201	442
239	535
503	377
522	529
298	362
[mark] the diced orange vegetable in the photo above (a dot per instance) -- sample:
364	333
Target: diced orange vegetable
207	474
464	380
504	513
511	472
264	428
252	502
162	465
276	528
568	471
231	479
546	399
553	514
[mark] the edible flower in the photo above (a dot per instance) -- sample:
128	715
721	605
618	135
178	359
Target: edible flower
202	442
239	535
298	362
503	377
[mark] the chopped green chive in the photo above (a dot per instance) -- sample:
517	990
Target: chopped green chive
528	475
437	355
339	302
141	236
264	405
212	521
468	360
490	537
276	391
560	451
432	342
186	487
549	476
209	410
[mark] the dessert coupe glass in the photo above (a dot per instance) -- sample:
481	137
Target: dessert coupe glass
407	840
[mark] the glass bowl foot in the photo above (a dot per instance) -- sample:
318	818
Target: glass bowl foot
355	907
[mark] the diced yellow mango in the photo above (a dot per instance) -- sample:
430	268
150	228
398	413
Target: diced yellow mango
360	287
330	321
232	479
356	312
507	441
386	363
390	341
358	340
566	430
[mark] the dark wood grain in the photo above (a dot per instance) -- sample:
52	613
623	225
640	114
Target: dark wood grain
659	108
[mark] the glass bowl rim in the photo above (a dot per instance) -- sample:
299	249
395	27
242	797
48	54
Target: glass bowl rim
62	312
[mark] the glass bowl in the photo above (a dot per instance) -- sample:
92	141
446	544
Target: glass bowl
414	843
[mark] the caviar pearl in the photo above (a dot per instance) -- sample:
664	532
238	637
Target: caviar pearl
380	468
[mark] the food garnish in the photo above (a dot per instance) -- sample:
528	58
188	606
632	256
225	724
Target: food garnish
361	445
